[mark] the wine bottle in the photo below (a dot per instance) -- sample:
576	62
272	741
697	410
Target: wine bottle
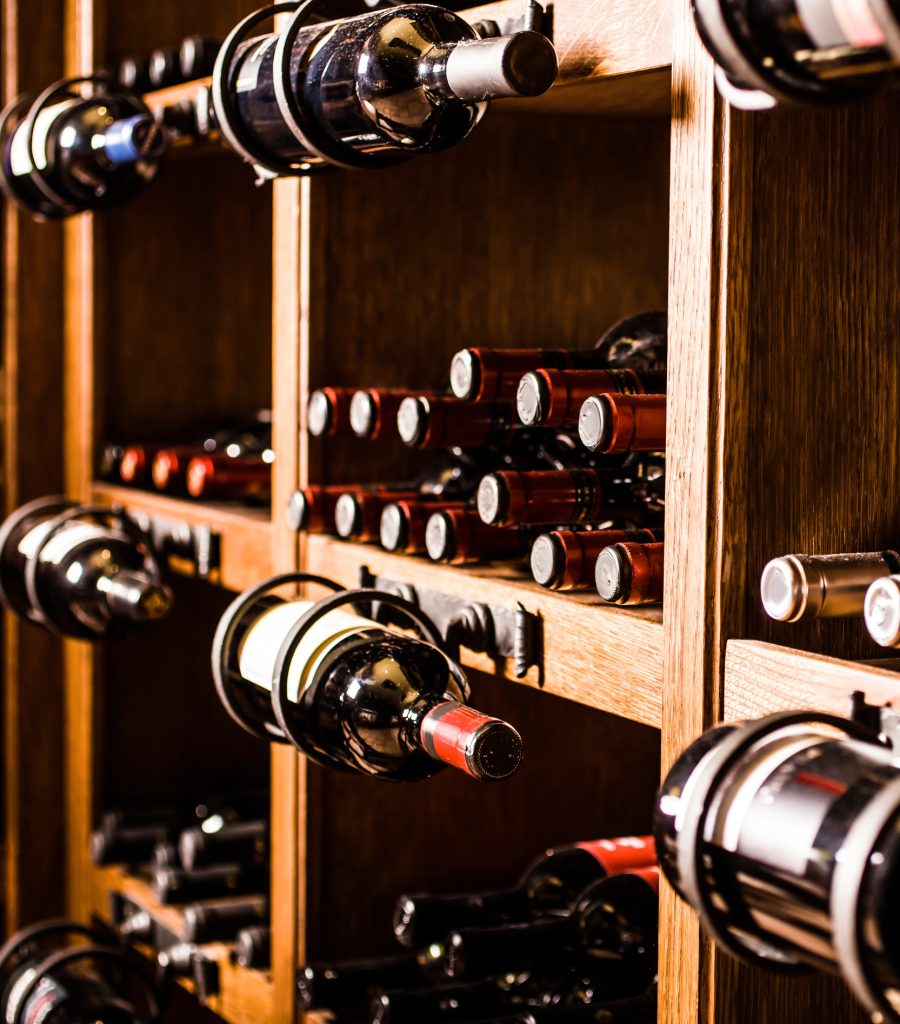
328	412
493	374
165	69
357	514
615	919
372	90
179	885
253	948
221	920
404	523
550	885
134	74
553	398
87	153
373	411
135	844
630	573
551	497
612	424
789	51
796	587
197	57
457	1002
346	987
136	464
641	1009
89	576
567	559
177	960
446	422
241	842
223	478
138	926
459	537
165	855
376	701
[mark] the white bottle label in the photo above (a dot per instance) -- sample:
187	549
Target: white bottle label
20	154
73	534
259	647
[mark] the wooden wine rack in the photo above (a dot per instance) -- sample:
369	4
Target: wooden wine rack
773	241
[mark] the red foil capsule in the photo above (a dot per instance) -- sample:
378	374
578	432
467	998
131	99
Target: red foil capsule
136	464
328	412
484	747
621	423
170	465
621	854
459	537
566	559
424	422
630	573
549	496
220	476
403	524
357	514
553	398
373	411
493	374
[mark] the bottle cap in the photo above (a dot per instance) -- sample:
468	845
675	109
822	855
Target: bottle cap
297	510
484	747
465	374
134	138
363	414
394	531
165	468
133	464
252	947
137	597
191	845
439	537
347	516
783	588
492	500
412	420
138	925
319	414
612	573
882	611
179	958
521	64
594	423
532	399
548	560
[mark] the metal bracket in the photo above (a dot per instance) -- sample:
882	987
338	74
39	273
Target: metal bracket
195	543
488	629
535	19
882	720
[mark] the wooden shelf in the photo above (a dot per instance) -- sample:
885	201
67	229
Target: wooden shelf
245	996
245	532
608	658
762	678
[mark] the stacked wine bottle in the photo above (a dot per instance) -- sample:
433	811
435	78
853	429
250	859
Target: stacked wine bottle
230	461
210	858
555	453
573	940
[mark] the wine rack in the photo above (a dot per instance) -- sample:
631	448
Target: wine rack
772	241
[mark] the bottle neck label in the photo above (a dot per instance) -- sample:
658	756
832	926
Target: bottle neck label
624	853
259	648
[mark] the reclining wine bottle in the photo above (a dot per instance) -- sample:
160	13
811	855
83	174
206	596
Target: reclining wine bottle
549	886
64	153
83	572
45	976
359	696
367	91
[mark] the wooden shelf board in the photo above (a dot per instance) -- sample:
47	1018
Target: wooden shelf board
605	657
245	532
762	678
245	996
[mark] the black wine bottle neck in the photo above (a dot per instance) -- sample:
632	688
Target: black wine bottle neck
423	918
135	596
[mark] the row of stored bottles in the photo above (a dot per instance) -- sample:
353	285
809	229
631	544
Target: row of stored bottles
781	832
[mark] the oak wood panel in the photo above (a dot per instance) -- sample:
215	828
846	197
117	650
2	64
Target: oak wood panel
584	775
245	532
606	657
32	359
762	678
533	232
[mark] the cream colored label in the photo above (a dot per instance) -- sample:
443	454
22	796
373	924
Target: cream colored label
262	642
32	540
73	534
20	154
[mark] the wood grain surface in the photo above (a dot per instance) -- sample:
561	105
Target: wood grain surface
32	465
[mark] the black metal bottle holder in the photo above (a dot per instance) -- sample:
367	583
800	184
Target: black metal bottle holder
26	943
290	718
53	206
